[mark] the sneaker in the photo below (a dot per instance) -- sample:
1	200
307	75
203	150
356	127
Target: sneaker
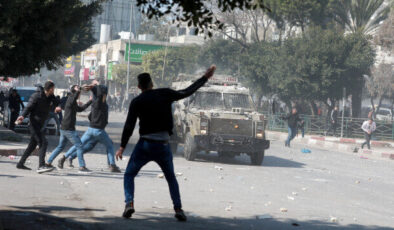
114	169
49	165
180	215
70	163
128	210
19	166
44	169
60	162
84	170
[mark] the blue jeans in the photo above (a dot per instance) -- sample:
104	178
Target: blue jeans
143	153
65	136
89	139
292	132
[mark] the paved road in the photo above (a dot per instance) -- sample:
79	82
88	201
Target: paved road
321	190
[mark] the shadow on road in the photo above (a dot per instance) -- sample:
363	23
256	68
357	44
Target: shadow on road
27	218
10	176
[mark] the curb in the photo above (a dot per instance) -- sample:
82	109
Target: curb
16	152
346	145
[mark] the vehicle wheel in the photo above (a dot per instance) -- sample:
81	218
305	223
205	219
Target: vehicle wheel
257	158
190	147
226	155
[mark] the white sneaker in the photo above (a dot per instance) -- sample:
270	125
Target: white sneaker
44	169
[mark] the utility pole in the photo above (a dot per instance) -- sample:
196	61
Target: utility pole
343	109
128	53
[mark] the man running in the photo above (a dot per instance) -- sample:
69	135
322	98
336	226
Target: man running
40	104
153	109
67	130
98	121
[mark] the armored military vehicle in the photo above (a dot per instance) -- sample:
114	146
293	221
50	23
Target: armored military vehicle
219	117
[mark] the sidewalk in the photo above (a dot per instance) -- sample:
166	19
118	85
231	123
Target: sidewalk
9	135
381	149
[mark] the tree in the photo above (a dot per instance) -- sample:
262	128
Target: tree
360	16
120	74
38	33
165	65
197	13
381	84
385	35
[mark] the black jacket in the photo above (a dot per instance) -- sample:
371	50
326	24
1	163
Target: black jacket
39	107
70	111
15	103
334	116
98	116
292	120
153	109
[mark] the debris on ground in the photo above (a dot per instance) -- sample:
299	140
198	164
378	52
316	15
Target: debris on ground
283	209
357	182
87	182
294	193
161	175
355	150
333	219
306	150
267	204
12	157
61	182
178	174
265	216
228	208
218	168
290	197
185	178
304	189
221	177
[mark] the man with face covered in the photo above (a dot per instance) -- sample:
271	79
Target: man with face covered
40	104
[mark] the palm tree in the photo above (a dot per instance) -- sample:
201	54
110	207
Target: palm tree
361	16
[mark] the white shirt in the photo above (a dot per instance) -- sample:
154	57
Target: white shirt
369	127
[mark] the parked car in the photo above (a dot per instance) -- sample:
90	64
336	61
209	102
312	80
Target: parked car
384	114
52	124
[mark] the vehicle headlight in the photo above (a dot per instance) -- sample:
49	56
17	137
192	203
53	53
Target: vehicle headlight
259	135
204	126
259	130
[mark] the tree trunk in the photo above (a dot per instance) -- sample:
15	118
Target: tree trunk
313	108
357	98
378	107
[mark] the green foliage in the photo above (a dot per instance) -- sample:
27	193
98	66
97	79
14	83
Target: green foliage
177	60
360	16
224	53
120	74
196	13
38	33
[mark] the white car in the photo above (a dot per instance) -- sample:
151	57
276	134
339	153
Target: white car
53	124
384	114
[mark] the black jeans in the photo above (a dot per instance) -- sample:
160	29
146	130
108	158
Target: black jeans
14	116
37	138
332	127
367	140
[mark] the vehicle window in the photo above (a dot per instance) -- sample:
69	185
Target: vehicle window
232	100
207	100
25	94
384	112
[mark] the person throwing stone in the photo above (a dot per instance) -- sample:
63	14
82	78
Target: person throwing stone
153	109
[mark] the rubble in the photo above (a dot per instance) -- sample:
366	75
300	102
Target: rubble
218	168
178	174
87	182
333	219
228	208
357	182
283	209
161	175
290	198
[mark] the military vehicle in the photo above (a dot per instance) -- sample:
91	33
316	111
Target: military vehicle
219	117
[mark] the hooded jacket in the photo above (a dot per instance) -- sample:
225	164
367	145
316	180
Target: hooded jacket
70	111
39	106
98	116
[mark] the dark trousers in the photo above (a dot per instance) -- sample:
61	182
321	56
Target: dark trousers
144	152
367	140
14	116
37	138
332	127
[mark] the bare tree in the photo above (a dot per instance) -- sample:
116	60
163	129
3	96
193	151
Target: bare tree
381	84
